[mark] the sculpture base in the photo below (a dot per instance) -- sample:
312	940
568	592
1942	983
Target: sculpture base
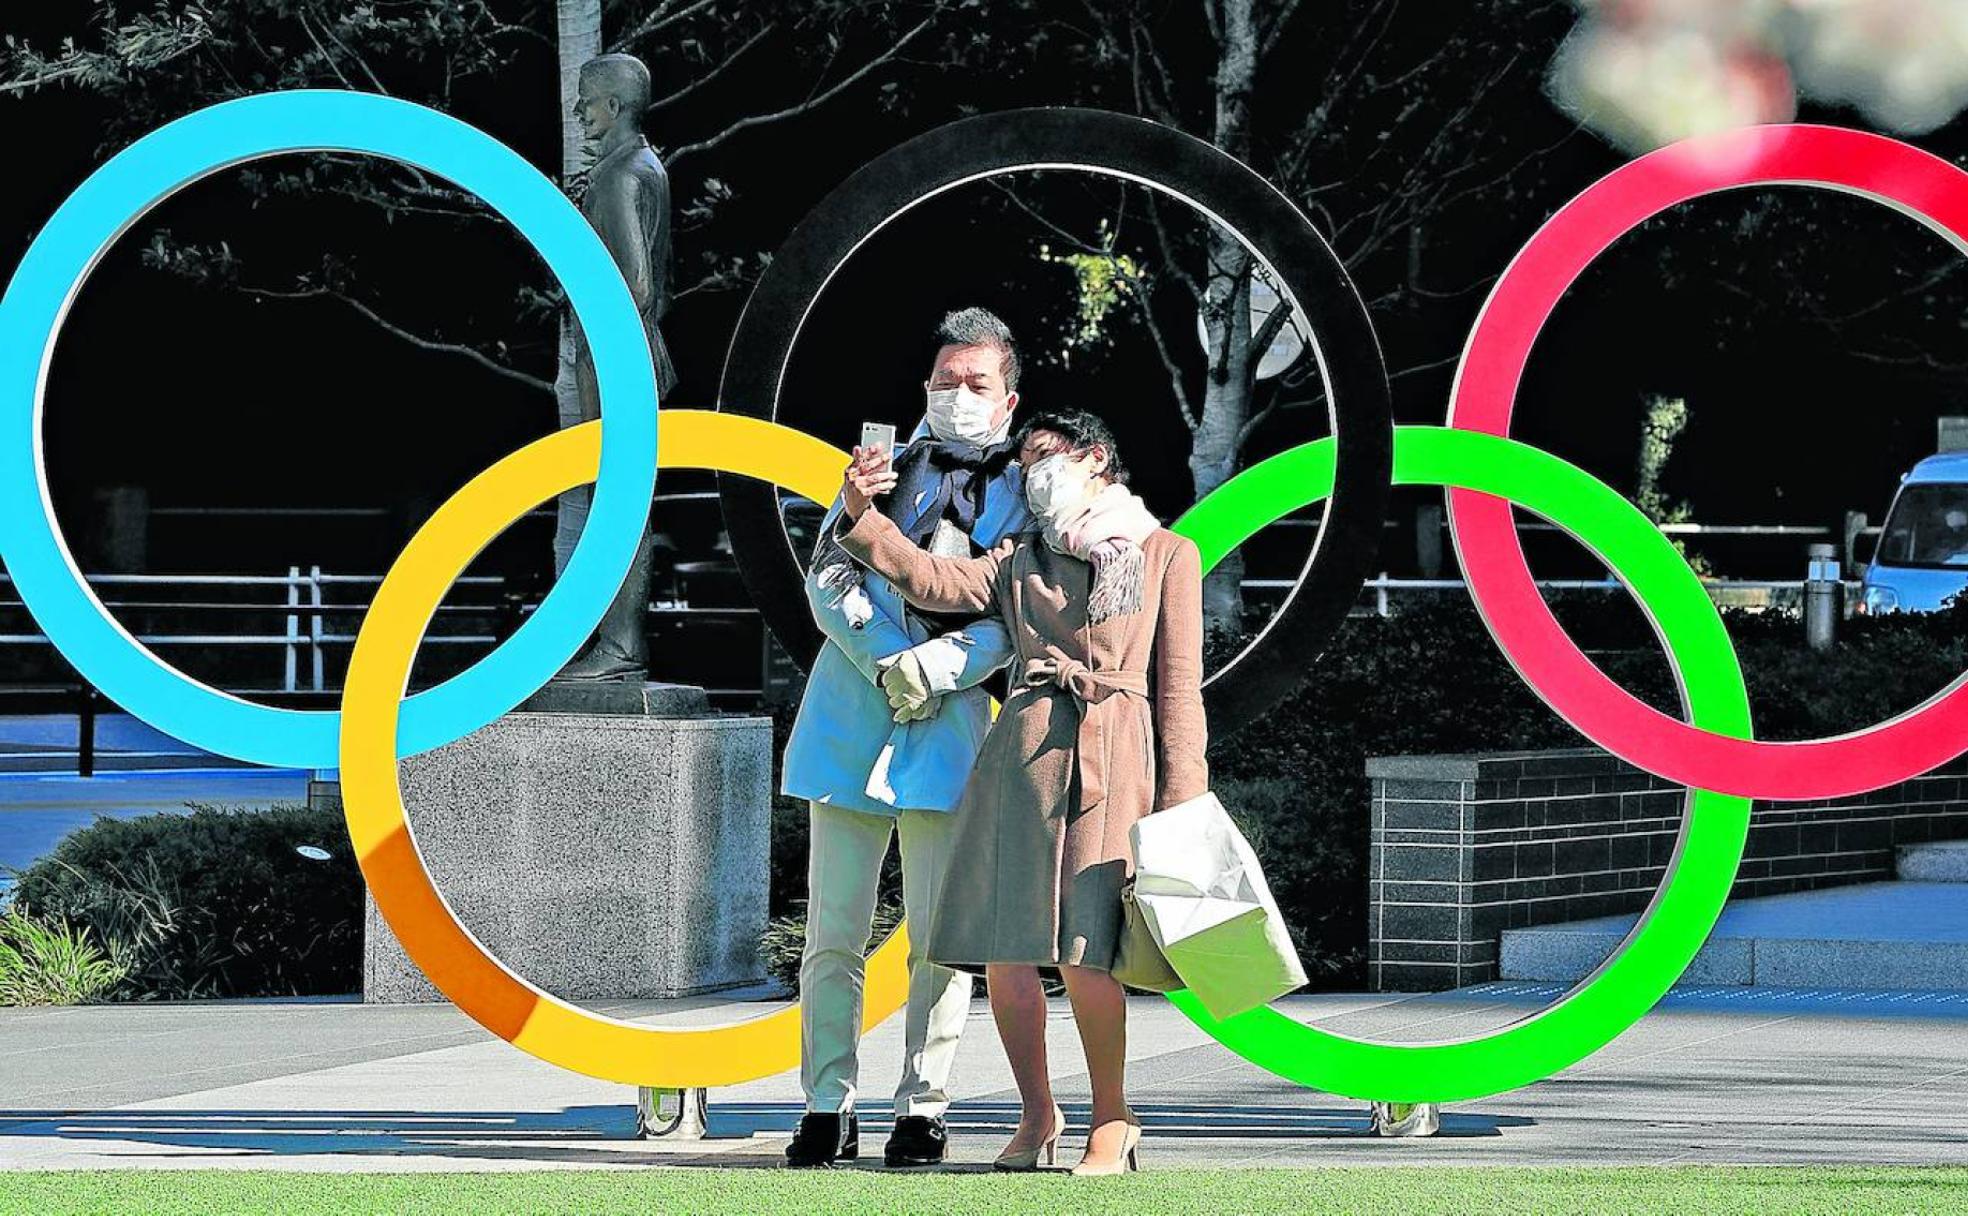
635	697
599	856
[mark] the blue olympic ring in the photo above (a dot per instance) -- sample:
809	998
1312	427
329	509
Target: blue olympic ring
220	137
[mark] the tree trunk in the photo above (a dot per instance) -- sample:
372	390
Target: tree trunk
579	41
579	29
1213	447
1227	388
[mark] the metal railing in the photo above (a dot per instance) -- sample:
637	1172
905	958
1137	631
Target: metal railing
307	635
305	607
1383	588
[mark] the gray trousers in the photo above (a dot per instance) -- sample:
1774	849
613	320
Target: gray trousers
844	867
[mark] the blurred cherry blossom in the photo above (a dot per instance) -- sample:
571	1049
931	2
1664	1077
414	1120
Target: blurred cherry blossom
1901	63
1648	72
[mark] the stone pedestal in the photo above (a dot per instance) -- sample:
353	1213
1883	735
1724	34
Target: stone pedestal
601	856
618	697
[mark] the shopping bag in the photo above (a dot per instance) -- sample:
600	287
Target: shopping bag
1207	906
1139	962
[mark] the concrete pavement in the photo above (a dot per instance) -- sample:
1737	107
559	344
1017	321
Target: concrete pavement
1713	1076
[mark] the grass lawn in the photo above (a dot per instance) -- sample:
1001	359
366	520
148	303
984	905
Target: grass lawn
1407	1191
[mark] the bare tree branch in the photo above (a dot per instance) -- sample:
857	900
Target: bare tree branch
1422	177
333	66
55	75
1281	402
1278	403
1418	368
1057	229
1268	332
375	81
1191	416
422	343
1443	201
659	18
415	194
1171	262
1350	63
1922	359
812	102
1164	77
1947	270
714	73
715	281
1261	342
1271	31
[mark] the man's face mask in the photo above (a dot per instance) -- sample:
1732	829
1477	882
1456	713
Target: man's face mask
962	415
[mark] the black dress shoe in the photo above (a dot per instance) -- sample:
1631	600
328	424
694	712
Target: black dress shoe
824	1139
917	1140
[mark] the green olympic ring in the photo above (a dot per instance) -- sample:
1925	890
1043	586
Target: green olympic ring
1713	829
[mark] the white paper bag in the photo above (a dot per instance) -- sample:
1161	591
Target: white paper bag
1207	905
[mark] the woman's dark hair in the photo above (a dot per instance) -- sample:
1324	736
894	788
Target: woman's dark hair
1081	430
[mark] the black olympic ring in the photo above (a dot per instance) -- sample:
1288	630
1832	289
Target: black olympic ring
1305	269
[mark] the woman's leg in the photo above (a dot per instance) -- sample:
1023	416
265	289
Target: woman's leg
1018	1005
1100	1009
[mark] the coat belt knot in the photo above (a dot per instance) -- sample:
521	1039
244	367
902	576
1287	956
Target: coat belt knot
1087	686
1082	681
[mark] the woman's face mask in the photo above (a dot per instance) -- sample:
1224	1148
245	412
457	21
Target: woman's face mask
962	415
1056	483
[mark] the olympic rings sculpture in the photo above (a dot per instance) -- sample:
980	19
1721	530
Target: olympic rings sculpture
1714	751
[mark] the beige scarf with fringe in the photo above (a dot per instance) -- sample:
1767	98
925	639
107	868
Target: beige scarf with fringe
1106	531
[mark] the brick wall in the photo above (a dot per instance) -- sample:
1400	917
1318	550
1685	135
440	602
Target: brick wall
1465	847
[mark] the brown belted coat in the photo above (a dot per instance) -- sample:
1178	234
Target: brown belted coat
1104	724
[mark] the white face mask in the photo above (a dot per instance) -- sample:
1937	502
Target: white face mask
1055	484
960	415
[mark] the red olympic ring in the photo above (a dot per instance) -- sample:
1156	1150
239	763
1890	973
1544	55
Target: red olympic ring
1915	182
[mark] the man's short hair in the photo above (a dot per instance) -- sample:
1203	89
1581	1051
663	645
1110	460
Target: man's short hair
981	327
624	76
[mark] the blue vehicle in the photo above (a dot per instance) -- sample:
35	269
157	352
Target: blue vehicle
1922	558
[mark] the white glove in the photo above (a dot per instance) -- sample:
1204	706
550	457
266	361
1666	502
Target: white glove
905	682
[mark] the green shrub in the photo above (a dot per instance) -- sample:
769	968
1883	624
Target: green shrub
215	903
785	939
1429	680
789	837
50	963
1315	859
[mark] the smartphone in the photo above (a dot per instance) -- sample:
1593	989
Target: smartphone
878	435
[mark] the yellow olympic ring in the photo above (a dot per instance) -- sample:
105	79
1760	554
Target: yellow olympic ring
533	1020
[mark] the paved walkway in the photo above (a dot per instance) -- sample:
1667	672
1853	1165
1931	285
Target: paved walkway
1713	1076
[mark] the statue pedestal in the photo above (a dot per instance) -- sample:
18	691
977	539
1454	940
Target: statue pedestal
648	699
601	856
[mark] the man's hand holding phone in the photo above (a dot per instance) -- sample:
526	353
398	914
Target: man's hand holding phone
872	472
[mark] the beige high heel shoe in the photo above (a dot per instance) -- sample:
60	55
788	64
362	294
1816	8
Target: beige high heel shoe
1025	1160
1129	1161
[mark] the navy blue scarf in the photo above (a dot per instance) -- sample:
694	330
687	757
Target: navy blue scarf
956	477
953	476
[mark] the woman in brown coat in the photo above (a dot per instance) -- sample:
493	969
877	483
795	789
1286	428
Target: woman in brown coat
1104	724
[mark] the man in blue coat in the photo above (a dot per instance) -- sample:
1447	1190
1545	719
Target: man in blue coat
888	731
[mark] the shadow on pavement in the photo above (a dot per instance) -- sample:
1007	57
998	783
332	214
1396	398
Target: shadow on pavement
603	1135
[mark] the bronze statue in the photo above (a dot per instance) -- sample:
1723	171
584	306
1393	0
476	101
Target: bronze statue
627	199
